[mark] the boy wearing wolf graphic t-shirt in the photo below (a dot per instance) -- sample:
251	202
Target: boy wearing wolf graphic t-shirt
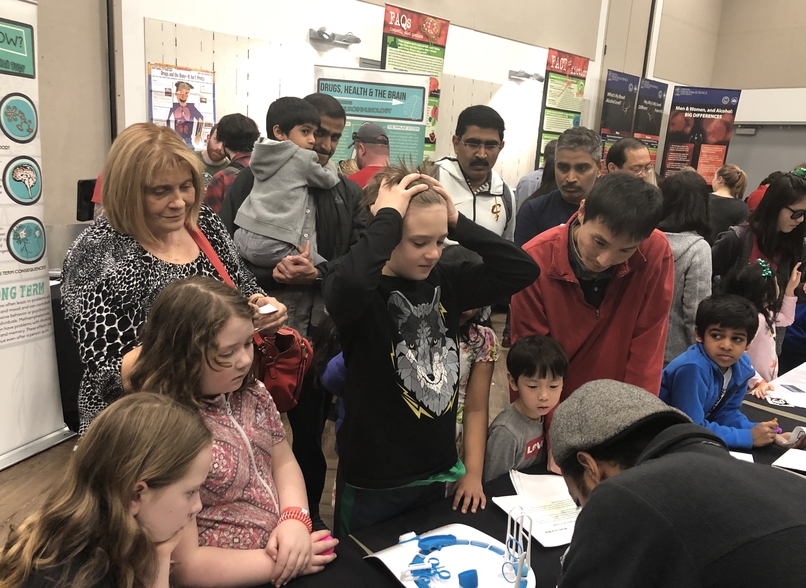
397	314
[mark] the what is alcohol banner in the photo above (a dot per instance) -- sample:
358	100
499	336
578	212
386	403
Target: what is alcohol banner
183	99
700	128
415	42
563	93
618	108
648	114
393	100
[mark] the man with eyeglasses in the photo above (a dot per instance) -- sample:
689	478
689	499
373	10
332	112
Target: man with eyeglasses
478	192
339	220
371	152
629	155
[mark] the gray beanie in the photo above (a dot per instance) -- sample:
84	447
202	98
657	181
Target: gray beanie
599	411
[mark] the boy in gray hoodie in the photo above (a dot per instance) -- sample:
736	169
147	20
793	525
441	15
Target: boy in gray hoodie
278	218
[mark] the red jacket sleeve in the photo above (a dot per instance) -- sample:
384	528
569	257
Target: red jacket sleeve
527	311
645	361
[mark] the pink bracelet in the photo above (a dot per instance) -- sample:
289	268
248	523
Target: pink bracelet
297	513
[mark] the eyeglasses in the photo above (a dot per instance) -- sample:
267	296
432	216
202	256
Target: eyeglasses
647	169
475	144
796	214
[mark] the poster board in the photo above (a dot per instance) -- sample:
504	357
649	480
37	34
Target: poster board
618	108
31	418
183	99
563	93
700	129
649	113
415	42
396	101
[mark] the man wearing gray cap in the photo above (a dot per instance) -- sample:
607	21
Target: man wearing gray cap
665	505
371	152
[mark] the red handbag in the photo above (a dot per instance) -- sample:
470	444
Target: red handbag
282	359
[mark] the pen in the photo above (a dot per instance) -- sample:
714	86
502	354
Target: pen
778	430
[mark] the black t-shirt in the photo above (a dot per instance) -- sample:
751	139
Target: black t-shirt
399	339
725	213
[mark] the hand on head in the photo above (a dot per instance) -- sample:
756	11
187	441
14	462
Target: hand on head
397	196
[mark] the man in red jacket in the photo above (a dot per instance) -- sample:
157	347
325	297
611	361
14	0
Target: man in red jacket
606	286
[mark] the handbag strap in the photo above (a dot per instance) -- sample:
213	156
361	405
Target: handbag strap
206	248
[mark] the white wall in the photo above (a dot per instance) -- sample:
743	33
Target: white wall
289	60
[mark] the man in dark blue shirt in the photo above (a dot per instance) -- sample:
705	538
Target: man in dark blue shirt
576	166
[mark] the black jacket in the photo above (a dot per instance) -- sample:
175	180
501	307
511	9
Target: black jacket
688	514
339	220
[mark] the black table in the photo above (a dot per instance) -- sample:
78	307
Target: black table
350	569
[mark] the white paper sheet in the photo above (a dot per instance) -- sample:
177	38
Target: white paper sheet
793	459
553	518
456	559
791	388
742	456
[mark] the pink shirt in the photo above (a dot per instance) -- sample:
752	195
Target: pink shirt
762	350
240	507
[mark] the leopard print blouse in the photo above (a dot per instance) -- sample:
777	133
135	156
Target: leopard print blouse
109	283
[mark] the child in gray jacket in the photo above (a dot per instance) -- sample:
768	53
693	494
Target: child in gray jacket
278	218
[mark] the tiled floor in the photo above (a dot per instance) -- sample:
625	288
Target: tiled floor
23	486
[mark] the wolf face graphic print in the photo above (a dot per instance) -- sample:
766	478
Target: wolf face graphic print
427	360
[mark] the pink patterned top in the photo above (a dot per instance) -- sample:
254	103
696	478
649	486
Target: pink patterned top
240	507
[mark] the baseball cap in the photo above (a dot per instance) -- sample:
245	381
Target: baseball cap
600	411
370	133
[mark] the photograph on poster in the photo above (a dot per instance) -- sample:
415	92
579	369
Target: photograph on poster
183	99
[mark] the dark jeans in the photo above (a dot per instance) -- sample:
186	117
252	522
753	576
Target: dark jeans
307	421
357	508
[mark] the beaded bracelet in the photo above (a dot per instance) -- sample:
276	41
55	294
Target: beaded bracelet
297	513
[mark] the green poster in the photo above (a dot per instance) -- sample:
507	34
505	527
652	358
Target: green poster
17	49
405	140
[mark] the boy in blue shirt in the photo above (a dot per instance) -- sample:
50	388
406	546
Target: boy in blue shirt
709	381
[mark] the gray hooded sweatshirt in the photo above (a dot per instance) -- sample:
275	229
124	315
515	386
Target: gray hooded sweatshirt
275	207
692	283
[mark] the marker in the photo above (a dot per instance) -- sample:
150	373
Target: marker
778	430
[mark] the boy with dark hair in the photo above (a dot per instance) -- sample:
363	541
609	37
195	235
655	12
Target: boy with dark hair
237	134
397	314
276	218
607	287
536	367
709	381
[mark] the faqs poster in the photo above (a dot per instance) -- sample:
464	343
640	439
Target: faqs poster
699	131
415	42
563	93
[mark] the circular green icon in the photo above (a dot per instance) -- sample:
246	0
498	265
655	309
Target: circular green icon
18	118
22	181
26	240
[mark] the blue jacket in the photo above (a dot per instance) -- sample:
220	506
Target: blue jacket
692	383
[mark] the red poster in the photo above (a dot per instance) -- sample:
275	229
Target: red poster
711	159
402	22
567	63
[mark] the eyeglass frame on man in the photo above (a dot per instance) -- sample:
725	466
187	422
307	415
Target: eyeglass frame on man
646	169
475	144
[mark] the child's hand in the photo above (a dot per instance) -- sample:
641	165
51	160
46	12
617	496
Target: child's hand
794	280
397	196
782	440
470	493
762	390
764	433
453	214
318	561
290	547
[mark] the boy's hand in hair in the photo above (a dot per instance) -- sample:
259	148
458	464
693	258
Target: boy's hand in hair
794	281
764	433
397	196
453	214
